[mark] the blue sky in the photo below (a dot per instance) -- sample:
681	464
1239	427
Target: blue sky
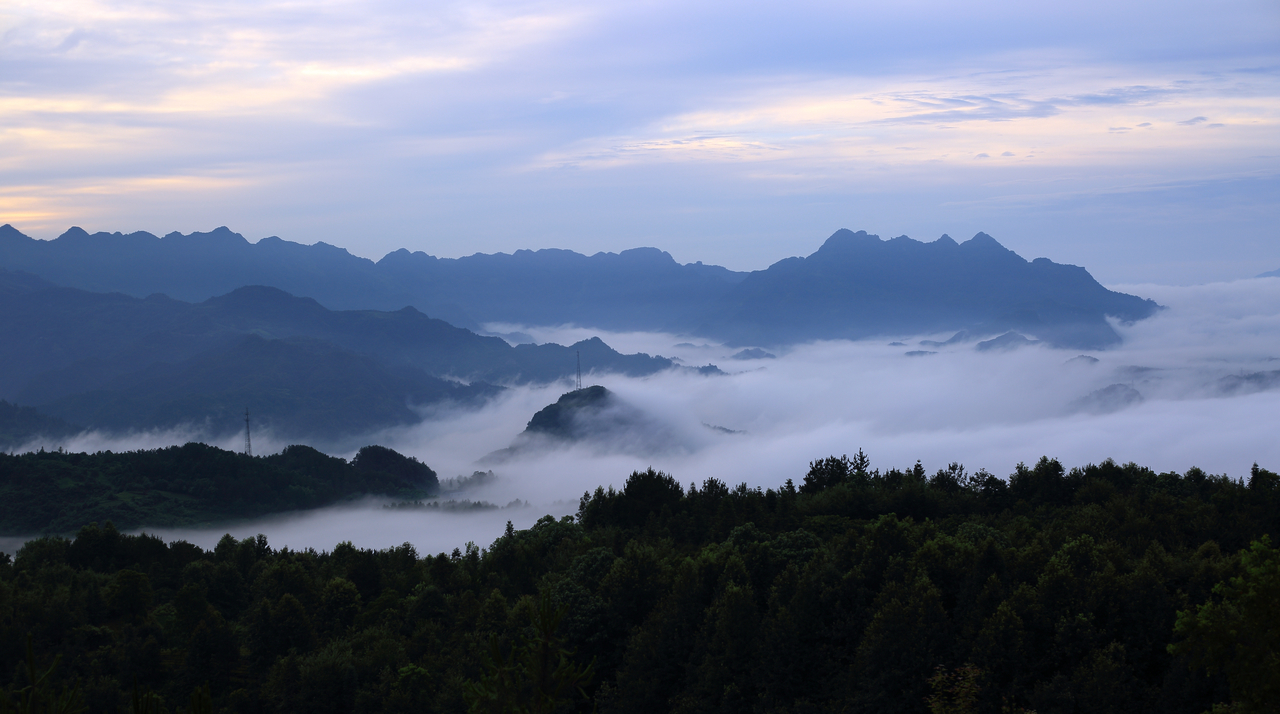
1141	139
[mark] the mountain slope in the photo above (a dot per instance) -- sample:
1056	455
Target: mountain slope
298	388
857	285
19	425
118	362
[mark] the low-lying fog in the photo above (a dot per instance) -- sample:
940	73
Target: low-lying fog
1198	385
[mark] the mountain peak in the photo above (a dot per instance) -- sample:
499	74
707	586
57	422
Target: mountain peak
558	419
845	235
8	232
74	233
647	255
222	234
846	240
982	240
258	299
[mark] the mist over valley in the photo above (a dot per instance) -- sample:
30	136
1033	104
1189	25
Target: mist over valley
1178	378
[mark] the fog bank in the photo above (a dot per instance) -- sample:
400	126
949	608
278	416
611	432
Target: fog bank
1196	385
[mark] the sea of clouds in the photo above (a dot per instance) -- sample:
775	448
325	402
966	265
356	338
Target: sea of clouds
1187	398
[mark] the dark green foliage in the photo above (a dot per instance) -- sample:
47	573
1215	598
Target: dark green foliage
557	420
955	692
40	696
536	676
53	491
643	496
1238	631
390	465
1108	588
825	473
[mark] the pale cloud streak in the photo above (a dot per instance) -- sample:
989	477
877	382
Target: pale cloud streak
833	126
216	58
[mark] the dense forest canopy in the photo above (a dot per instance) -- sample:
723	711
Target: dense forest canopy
1107	588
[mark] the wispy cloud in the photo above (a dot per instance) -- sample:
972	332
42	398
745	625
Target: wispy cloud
825	122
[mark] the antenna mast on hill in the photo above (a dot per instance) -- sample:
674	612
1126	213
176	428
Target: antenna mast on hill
579	382
248	448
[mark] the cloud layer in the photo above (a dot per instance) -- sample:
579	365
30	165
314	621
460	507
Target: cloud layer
985	409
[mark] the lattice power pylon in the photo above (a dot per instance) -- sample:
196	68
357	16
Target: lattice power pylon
248	446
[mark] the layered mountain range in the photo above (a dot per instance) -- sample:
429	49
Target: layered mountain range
855	285
639	288
124	332
116	362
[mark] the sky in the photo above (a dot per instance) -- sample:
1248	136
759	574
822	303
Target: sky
1140	139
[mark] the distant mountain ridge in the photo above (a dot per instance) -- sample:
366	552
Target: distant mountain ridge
855	285
605	290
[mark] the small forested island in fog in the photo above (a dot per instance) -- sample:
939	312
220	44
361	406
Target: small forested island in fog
194	484
1103	588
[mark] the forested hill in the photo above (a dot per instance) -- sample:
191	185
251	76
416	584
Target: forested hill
1106	588
195	484
115	362
855	285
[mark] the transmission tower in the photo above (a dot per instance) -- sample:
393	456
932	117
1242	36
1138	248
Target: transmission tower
579	382
248	447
